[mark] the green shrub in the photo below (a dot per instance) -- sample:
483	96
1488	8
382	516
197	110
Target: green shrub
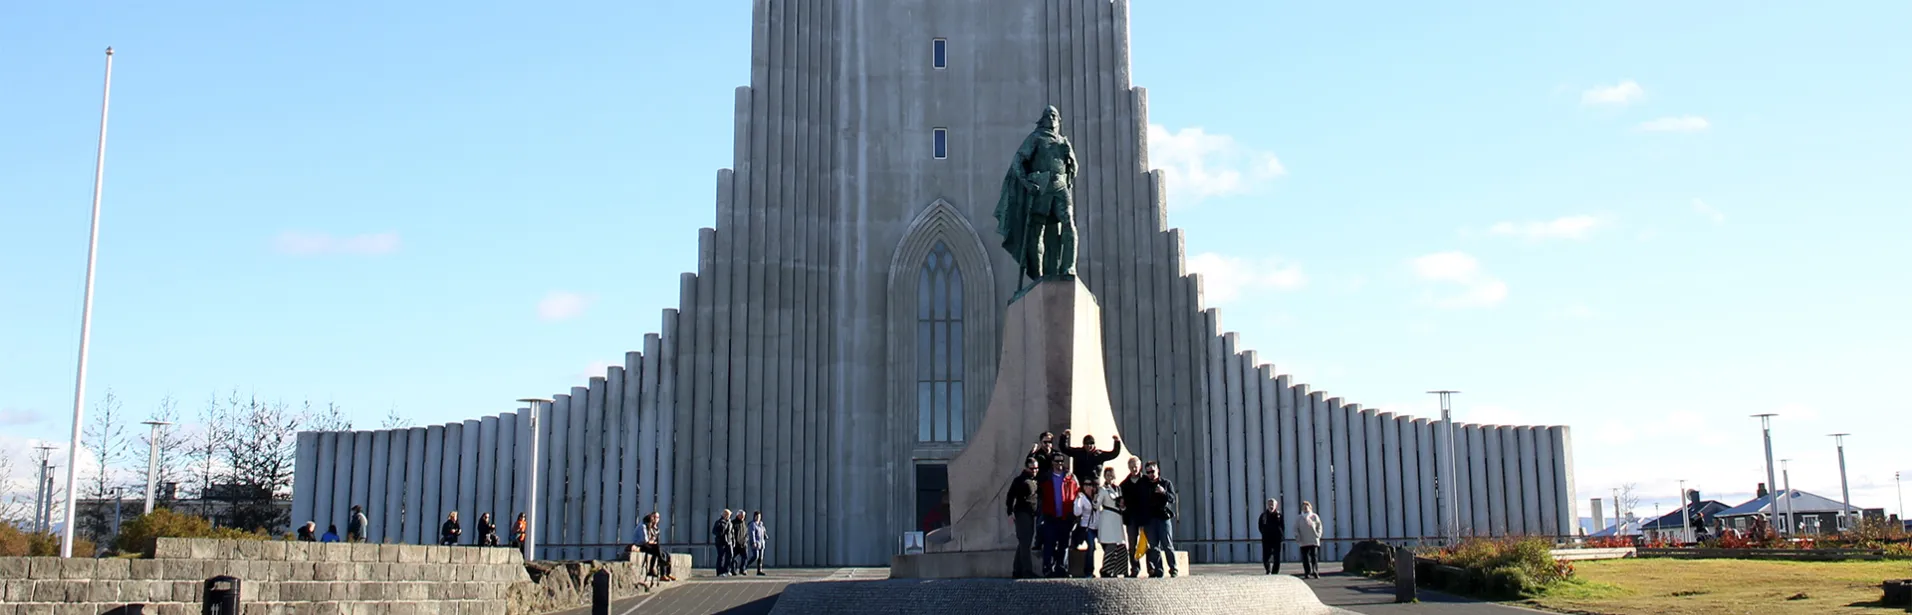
142	534
1503	567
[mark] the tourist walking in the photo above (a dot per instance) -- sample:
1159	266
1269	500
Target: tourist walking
1057	493
1134	495
1022	509
355	525
1088	460
720	542
448	532
487	531
739	537
1158	510
1273	529
1110	529
1308	535
1086	513
756	541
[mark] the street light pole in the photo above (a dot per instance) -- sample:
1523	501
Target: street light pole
1766	426
1785	474
537	404
86	320
1450	478
1845	494
44	493
152	462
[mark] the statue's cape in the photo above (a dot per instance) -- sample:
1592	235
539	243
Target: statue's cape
1012	207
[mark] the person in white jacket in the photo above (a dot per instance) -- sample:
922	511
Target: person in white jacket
1086	514
1308	535
1111	532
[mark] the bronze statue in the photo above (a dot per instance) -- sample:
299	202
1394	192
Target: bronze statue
1034	213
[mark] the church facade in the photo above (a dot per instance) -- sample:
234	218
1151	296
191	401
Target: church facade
839	337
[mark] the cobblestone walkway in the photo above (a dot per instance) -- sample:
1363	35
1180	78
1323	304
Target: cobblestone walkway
704	593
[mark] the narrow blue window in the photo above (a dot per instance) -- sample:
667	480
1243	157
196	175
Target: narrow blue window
942	143
941	52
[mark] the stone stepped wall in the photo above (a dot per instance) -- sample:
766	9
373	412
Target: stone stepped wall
276	577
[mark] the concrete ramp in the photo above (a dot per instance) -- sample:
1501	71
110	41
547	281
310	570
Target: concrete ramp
1268	595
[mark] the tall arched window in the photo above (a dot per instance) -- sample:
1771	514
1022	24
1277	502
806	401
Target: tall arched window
939	348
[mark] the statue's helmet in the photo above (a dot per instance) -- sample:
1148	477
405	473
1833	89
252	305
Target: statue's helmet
1050	116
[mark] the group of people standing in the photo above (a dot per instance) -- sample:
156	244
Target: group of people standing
1273	525
1056	510
738	544
449	532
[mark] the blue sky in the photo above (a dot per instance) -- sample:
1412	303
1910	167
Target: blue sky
1644	220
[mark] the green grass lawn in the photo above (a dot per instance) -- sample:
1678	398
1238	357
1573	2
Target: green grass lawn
1659	586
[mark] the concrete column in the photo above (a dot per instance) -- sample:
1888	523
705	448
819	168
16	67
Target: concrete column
323	481
1430	499
1254	377
341	482
1496	484
431	511
1561	465
696	446
1463	481
576	478
1549	519
391	520
305	477
554	512
504	477
550	483
1305	455
486	474
1323	458
1510	475
472	451
592	526
1529	480
1215	435
1356	476
1445	481
669	408
1410	454
361	475
1375	444
449	478
375	494
1237	501
416	488
1272	388
1290	492
610	464
1479	487
1341	478
1397	474
632	414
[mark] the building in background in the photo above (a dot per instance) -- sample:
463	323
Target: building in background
840	335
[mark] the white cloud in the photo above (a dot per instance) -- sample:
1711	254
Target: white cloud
1570	227
1684	123
1477	289
1224	278
1200	165
560	305
1711	213
19	416
1578	312
1622	93
367	244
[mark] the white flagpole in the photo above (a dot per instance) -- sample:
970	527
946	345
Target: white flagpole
86	322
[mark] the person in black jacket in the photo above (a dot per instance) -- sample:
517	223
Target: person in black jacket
449	532
1272	527
1133	498
307	532
1158	510
1021	507
1087	461
355	525
1044	449
487	531
720	538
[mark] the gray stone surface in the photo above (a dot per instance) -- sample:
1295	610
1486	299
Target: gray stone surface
1273	595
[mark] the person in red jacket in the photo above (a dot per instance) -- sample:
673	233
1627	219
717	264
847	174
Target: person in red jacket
1055	500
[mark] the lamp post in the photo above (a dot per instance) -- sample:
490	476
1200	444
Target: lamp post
86	319
537	404
1785	474
1845	494
1686	517
1450	480
1766	425
43	494
152	462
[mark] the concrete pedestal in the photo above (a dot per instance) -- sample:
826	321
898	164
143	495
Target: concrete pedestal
1050	378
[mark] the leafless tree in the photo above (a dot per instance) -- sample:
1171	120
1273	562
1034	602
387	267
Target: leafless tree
16	507
393	420
1629	498
173	444
332	419
206	448
105	434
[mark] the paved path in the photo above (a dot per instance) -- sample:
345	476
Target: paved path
704	593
